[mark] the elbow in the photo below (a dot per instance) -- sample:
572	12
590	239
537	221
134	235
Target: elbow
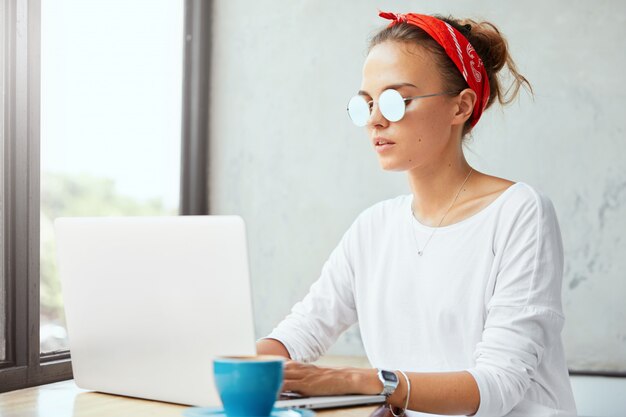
268	346
500	389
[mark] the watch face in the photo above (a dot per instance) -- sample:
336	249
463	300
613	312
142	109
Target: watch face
389	376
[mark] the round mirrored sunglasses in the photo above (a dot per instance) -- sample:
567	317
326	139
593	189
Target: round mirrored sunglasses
391	104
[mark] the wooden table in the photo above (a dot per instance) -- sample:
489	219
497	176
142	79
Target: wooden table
63	399
66	399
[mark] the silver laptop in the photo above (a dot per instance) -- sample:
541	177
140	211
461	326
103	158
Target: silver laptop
149	301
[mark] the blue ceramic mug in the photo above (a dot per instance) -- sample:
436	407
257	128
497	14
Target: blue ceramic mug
248	385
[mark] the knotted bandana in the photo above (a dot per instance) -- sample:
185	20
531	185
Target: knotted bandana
458	48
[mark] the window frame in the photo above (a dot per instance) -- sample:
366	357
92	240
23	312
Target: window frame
2	280
194	178
25	365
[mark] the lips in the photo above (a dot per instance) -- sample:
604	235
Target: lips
382	145
378	141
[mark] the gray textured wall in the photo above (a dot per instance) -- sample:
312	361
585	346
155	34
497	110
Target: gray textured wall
285	156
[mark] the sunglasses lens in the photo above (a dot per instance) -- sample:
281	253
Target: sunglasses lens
391	105
359	110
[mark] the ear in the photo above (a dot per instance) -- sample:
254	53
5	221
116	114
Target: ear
465	106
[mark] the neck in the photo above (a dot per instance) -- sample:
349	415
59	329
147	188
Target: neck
435	186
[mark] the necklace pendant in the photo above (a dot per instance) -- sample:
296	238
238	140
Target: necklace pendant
419	252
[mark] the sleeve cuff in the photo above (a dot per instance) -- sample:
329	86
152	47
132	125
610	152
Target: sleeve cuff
483	409
282	338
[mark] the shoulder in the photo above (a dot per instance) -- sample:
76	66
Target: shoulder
516	205
527	211
386	209
381	214
514	196
375	221
523	197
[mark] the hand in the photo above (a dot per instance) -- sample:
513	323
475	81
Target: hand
308	379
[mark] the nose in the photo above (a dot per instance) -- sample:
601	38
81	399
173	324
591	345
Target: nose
376	117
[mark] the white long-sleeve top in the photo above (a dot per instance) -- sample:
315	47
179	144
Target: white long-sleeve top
484	297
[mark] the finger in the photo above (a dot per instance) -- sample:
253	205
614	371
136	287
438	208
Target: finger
286	386
292	385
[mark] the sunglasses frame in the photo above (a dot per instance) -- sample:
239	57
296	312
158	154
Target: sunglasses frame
371	103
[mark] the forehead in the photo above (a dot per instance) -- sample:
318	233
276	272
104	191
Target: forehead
391	63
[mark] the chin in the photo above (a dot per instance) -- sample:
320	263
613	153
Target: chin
392	166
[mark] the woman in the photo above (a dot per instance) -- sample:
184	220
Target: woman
457	286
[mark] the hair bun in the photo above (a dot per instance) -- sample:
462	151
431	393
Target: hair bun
493	49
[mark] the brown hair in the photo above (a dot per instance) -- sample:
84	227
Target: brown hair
489	44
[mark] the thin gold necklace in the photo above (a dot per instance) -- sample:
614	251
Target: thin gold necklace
420	252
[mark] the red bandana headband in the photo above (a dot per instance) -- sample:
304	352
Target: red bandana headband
458	48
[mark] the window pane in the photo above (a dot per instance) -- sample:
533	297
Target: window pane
110	121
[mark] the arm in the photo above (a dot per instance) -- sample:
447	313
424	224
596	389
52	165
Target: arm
451	393
524	315
325	312
271	347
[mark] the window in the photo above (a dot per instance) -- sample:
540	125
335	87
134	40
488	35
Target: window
20	226
110	122
95	130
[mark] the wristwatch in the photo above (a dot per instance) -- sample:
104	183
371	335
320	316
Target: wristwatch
389	380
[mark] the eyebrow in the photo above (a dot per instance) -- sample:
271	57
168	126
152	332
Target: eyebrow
394	86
